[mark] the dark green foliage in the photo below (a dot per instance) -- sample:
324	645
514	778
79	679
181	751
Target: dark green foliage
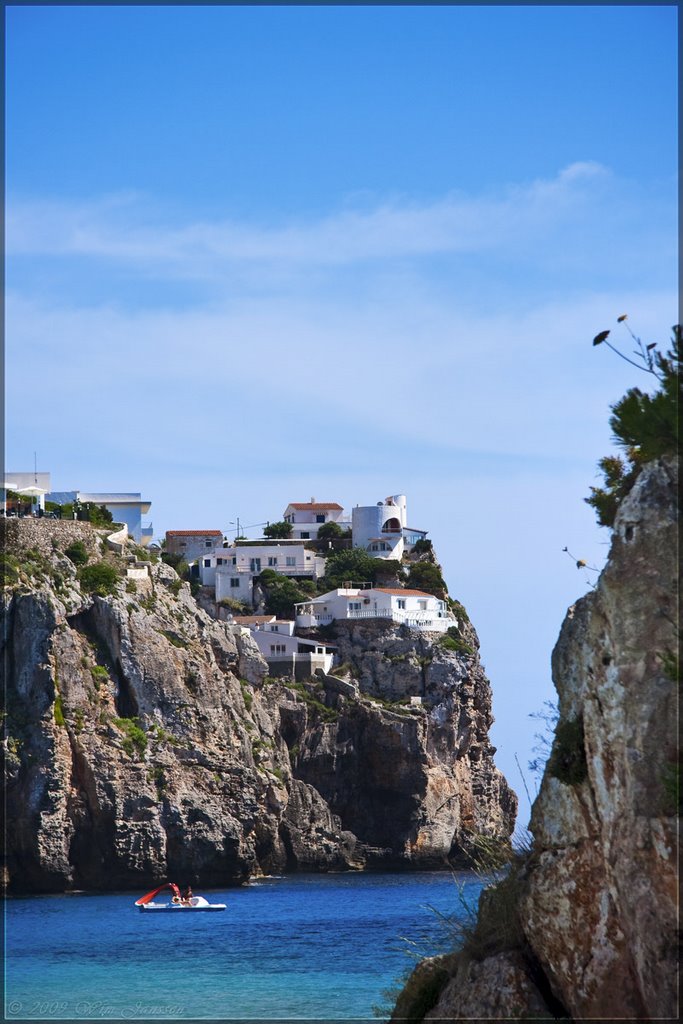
281	594
278	531
330	531
646	427
99	578
77	552
452	641
423	547
135	741
174	586
356	566
427	576
458	610
567	760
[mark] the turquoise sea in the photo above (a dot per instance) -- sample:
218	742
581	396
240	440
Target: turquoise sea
319	947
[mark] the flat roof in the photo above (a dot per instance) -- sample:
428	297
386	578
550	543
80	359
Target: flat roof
194	533
300	505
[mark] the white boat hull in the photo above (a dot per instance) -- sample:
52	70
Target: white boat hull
196	903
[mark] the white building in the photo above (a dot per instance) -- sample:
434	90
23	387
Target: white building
407	607
33	481
232	570
382	529
286	653
127	508
307	517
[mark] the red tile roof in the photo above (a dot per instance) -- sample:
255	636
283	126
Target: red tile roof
315	505
247	620
399	592
194	533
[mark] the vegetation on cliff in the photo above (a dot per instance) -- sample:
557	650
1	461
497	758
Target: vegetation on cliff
644	426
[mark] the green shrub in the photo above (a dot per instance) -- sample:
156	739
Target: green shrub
279	530
567	761
99	675
237	607
355	565
175	587
9	570
330	531
458	610
59	711
644	426
136	738
77	552
99	578
427	576
452	641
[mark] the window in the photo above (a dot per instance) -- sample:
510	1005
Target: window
355	606
234	561
276	629
272	560
290	560
220	561
207	543
183	544
401	602
422	605
305	536
234	581
277	648
320	519
207	563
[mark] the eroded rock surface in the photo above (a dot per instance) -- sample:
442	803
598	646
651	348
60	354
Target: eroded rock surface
144	739
595	907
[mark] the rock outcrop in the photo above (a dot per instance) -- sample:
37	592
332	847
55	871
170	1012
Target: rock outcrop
595	900
145	740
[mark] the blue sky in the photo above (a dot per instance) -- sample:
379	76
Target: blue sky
256	255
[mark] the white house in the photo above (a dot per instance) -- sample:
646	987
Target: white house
286	653
307	517
125	508
408	607
232	570
382	529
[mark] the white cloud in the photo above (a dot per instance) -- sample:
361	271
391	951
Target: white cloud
123	228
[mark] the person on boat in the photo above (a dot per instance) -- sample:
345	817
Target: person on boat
187	897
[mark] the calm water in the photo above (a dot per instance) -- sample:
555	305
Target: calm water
310	946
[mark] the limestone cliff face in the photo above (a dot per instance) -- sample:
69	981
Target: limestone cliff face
596	900
144	739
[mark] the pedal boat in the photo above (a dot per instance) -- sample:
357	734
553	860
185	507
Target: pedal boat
177	904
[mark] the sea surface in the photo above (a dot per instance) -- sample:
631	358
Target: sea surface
316	947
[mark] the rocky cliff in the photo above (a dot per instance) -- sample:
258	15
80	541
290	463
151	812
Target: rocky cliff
144	740
585	924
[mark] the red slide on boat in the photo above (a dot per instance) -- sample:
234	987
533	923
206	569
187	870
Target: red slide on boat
150	895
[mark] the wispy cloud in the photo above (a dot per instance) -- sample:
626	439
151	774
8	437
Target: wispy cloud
123	228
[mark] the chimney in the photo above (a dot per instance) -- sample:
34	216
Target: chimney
312	501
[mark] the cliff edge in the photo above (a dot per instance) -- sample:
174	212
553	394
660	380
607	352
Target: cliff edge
591	926
144	740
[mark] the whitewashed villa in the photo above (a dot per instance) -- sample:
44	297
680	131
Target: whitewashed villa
407	607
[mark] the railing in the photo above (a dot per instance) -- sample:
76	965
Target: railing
419	619
282	570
